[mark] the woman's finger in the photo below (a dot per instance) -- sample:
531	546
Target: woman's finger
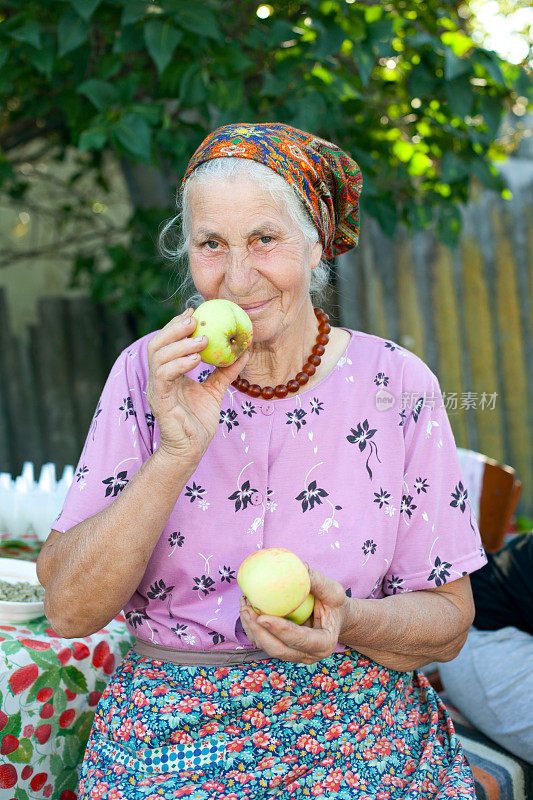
176	328
326	589
179	349
276	648
299	638
272	637
245	625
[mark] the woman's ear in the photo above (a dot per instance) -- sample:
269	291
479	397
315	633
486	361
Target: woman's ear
316	254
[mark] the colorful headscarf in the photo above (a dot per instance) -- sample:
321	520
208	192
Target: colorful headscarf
325	178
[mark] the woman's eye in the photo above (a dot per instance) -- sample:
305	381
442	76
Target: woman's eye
212	245
266	239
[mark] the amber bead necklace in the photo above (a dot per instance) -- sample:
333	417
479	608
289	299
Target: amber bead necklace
309	368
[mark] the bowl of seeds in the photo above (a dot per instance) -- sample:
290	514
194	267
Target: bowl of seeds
21	594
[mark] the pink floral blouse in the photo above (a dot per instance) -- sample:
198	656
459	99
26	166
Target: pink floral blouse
358	475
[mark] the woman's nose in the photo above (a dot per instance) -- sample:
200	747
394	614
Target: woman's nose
239	267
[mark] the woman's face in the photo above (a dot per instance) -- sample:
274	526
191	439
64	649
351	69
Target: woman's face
246	249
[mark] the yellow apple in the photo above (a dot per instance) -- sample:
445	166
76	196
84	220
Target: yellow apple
276	581
303	612
228	329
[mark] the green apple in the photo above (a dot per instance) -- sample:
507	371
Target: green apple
276	581
303	612
228	329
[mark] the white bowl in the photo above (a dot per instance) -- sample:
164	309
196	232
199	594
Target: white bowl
14	570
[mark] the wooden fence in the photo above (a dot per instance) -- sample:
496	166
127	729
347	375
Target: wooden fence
50	383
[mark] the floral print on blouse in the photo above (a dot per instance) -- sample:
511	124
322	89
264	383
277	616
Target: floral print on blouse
358	475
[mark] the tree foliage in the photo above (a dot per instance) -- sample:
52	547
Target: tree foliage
400	85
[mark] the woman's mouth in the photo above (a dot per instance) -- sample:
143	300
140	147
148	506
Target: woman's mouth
254	309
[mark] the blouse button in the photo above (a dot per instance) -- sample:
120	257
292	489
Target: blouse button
256	499
267	409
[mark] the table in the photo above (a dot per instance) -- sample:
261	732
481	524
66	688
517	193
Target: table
49	687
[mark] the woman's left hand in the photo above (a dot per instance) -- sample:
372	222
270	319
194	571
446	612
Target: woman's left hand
307	643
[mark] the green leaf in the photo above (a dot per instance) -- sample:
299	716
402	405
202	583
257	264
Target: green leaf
43	59
403	150
23	753
21	794
329	40
459	42
373	13
419	164
44	658
85	8
161	40
4	55
192	87
484	172
82	726
365	60
68	779
13	725
73	751
74	679
455	66
129	39
449	225
49	677
59	702
135	135
453	168
134	10
421	83
490	62
92	139
491	109
198	18
101	93
56	764
71	32
152	113
29	34
420	216
460	96
11	647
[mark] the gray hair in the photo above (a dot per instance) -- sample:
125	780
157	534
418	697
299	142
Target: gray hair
174	240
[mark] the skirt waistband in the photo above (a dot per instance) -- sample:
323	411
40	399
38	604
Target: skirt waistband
197	658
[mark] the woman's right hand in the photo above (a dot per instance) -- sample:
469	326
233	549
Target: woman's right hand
187	411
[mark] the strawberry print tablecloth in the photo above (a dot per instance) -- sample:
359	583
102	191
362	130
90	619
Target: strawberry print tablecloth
49	688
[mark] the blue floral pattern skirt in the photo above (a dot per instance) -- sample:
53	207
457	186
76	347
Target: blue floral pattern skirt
344	727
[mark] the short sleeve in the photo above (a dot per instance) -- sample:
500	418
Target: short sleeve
119	440
438	538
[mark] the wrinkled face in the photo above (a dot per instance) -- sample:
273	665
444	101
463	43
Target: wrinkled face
246	249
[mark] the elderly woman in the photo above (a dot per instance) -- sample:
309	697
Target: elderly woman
304	442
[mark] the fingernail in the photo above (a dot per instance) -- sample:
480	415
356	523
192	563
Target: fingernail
265	623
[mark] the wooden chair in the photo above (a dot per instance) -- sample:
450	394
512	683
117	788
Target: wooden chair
499	496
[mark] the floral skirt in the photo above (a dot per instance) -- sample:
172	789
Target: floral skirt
344	727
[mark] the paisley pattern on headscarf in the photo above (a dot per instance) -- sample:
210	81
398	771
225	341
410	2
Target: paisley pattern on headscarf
326	179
